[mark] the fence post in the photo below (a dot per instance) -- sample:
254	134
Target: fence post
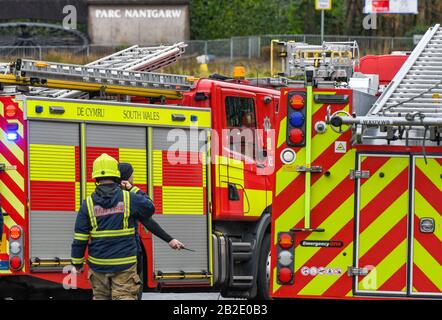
259	47
205	48
231	49
40	54
250	47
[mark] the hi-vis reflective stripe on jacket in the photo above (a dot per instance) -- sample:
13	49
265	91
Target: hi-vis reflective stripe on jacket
134	189
125	231
113	261
81	236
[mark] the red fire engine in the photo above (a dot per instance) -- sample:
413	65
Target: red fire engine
218	205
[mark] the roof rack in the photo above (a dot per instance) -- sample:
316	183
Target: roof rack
95	79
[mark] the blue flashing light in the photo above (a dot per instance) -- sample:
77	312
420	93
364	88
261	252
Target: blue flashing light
194	118
297	119
12	136
38	109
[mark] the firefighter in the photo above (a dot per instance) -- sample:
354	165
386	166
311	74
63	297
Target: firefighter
127	183
108	218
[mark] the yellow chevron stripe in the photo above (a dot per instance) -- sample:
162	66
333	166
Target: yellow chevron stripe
389	266
383	224
282	136
429	266
12	199
13	174
318	285
284	177
423	209
275	286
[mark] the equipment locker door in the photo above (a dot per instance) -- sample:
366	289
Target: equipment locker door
54	167
382	206
179	188
426	248
124	143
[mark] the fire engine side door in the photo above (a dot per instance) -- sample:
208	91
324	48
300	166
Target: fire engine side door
382	206
242	191
426	213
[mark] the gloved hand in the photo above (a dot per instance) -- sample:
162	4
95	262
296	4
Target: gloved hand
176	244
77	268
126	185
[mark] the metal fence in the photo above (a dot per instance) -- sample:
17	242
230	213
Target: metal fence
234	48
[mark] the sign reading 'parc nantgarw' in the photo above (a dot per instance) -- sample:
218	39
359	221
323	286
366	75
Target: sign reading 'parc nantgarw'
138	13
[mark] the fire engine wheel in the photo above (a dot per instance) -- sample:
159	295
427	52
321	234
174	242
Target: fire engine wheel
264	271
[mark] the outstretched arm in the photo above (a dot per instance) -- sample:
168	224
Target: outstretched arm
81	237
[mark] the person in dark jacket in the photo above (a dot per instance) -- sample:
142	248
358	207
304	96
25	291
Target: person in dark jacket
105	225
127	183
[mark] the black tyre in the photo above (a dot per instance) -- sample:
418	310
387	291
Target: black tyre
263	281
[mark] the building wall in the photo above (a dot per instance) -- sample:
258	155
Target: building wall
138	24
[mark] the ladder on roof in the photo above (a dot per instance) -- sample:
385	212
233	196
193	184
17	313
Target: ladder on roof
410	108
134	58
417	87
96	79
138	58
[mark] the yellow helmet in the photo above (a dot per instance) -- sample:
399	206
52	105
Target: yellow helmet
105	167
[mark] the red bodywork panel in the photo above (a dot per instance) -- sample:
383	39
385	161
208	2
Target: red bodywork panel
385	66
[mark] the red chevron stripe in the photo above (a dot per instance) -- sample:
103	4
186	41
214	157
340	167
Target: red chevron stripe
421	282
12	212
340	288
13	186
397	281
428	190
384	199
